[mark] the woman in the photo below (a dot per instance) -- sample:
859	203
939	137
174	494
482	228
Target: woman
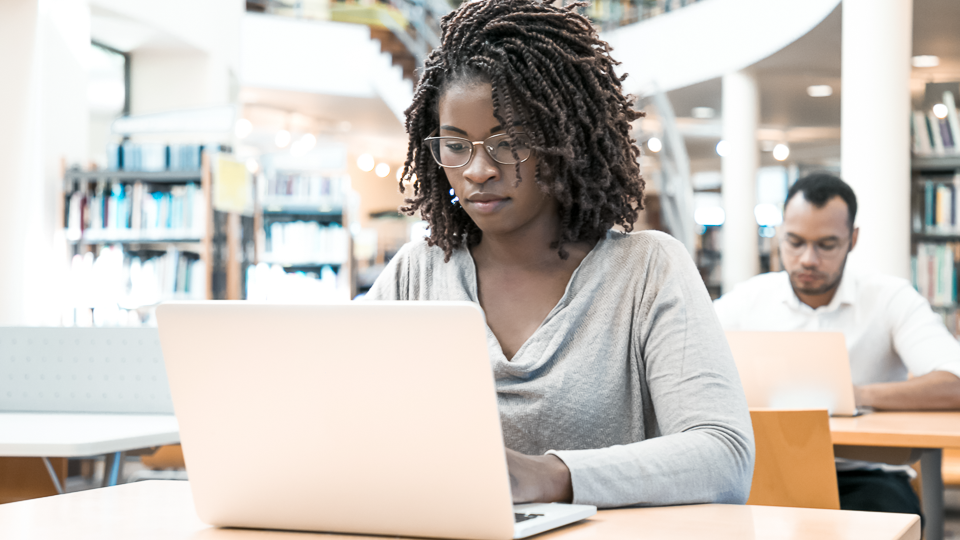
615	383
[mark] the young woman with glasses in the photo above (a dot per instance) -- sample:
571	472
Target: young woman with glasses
615	383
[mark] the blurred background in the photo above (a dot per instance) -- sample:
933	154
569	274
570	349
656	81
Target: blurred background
216	149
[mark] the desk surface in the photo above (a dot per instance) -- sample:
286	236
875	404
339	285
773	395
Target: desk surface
77	434
900	429
164	510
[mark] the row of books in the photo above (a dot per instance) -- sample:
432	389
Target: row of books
154	157
938	200
136	207
270	283
935	272
119	285
933	136
951	319
321	191
306	242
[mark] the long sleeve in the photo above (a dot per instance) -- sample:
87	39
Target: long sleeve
704	452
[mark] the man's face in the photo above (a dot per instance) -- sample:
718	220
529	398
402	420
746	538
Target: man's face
814	243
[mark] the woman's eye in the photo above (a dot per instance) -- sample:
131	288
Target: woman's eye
827	247
456	147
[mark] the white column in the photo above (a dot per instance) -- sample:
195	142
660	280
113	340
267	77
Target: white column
875	138
741	115
18	41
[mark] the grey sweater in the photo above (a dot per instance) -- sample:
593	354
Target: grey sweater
629	379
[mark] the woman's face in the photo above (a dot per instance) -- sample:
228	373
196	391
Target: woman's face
488	190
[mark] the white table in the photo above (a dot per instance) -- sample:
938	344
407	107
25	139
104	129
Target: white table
48	435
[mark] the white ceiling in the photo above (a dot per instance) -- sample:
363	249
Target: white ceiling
812	125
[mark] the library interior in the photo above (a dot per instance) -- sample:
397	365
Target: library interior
480	269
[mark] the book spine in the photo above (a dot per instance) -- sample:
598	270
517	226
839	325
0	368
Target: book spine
921	137
952	118
934	124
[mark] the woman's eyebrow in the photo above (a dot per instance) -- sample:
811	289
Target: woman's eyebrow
451	128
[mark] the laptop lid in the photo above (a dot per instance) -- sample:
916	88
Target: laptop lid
375	418
794	370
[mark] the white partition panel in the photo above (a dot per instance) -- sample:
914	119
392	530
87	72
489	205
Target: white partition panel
104	370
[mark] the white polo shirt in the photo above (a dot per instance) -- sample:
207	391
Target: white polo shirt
889	328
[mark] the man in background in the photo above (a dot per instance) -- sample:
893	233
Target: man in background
890	329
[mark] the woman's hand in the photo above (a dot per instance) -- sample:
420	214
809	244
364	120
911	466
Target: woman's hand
538	478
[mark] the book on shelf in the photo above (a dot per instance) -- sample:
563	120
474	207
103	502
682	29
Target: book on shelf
933	136
935	272
306	242
937	212
154	157
116	283
304	190
156	211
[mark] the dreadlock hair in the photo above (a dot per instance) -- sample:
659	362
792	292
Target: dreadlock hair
552	74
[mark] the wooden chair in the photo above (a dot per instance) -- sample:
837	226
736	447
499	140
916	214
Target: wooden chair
794	463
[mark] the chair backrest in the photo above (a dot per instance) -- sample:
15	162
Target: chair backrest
90	370
794	463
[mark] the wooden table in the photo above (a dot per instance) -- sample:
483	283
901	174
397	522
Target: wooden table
164	510
929	431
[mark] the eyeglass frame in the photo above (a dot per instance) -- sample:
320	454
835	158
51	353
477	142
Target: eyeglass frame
831	255
473	149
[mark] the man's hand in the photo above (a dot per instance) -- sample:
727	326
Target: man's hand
937	390
538	478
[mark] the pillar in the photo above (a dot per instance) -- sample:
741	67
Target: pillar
741	116
875	137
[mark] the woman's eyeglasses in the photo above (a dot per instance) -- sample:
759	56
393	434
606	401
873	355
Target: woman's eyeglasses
454	152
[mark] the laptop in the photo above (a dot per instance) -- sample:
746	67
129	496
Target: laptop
366	418
794	370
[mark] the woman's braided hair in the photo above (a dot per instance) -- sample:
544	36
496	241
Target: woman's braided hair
552	74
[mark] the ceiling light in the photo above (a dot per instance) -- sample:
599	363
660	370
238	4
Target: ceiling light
399	174
253	166
820	90
703	112
768	215
654	144
242	128
382	170
781	152
709	216
308	141
282	138
940	110
722	147
365	162
925	61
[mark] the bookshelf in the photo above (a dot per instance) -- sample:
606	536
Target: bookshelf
935	234
137	238
306	252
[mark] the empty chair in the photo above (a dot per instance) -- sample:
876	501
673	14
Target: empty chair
794	463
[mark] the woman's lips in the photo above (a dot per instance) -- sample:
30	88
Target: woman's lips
488	205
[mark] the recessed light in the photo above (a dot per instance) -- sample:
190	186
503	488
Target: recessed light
654	144
703	112
721	149
781	152
925	61
940	110
820	90
365	162
382	170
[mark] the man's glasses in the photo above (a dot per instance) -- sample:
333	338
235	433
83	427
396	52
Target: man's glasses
454	152
828	250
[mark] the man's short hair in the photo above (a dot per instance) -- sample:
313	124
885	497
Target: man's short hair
820	188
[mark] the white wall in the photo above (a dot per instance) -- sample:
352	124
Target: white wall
43	104
169	80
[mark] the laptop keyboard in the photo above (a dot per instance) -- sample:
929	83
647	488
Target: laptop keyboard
519	518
